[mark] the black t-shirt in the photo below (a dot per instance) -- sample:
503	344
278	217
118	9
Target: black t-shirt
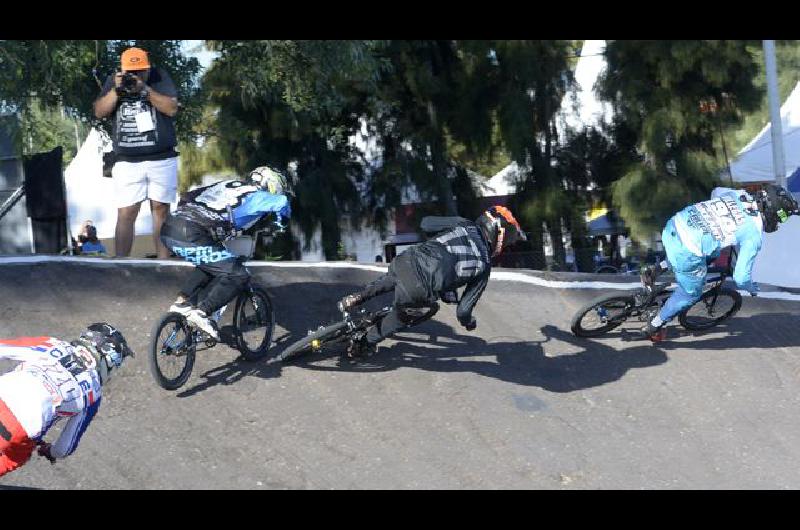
131	145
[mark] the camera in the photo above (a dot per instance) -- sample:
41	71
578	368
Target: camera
128	85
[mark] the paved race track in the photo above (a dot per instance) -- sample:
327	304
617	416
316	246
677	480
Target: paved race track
519	403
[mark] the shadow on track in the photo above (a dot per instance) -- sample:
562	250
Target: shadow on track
520	362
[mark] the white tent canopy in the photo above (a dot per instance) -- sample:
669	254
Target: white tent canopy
778	263
754	161
90	196
503	182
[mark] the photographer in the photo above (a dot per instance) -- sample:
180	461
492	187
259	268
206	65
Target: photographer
142	102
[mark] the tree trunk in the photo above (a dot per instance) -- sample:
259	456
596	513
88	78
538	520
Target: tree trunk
539	259
556	238
328	214
331	237
443	184
439	163
581	246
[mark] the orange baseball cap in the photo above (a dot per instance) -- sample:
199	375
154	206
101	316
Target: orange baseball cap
134	59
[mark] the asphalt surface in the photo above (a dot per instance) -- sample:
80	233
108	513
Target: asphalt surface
518	403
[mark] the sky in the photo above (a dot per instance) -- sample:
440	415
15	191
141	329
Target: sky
589	67
203	55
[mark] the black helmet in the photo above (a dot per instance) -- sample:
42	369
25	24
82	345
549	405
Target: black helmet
500	228
107	345
775	205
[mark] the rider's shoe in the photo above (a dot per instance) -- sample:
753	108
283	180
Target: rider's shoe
360	348
654	333
350	301
198	318
648	276
181	307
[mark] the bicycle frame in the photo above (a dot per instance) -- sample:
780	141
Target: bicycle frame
369	319
715	284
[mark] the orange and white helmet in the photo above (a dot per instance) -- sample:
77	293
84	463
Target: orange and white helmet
500	228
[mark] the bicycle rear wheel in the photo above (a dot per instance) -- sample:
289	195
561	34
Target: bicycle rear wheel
172	351
315	340
713	307
254	321
602	314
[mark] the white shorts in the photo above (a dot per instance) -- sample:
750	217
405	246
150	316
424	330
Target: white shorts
149	179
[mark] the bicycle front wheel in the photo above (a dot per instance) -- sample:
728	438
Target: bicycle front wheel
254	320
315	340
601	315
172	351
713	307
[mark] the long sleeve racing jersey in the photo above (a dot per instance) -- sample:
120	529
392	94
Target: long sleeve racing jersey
456	256
45	387
729	218
208	206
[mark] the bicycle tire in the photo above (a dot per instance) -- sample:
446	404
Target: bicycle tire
606	269
580	331
433	309
253	354
164	381
687	321
324	335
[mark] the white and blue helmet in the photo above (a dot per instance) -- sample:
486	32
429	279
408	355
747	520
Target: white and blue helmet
270	180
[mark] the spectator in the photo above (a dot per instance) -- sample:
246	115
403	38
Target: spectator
83	235
91	244
142	101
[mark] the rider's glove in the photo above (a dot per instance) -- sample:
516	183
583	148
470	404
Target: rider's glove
279	227
44	450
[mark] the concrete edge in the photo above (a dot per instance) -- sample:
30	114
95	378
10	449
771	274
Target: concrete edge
538	278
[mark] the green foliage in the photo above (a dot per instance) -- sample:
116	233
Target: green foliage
657	88
646	198
317	77
44	129
298	102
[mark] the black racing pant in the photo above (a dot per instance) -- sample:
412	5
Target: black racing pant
219	275
409	292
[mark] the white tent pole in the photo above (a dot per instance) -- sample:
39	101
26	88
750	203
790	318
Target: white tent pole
778	160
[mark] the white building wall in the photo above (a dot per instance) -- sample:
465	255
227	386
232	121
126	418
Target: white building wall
365	243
